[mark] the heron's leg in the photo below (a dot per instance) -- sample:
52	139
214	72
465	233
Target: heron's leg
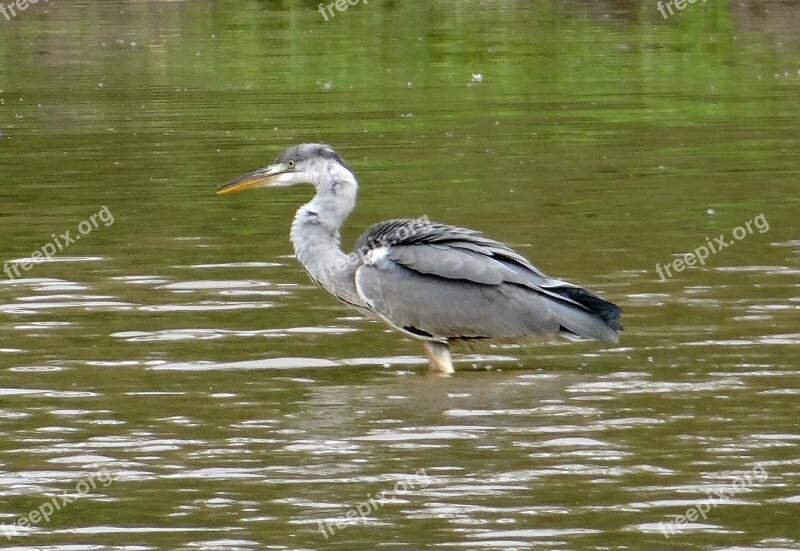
438	355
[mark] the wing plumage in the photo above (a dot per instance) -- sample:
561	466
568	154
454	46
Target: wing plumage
442	282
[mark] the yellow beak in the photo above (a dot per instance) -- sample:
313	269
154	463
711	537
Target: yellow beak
258	178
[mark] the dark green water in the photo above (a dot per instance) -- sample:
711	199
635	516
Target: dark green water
176	377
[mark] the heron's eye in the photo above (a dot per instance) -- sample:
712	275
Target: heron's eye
291	164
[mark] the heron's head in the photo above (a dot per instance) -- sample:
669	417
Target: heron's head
308	163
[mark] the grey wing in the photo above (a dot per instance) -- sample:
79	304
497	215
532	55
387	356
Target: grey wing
454	283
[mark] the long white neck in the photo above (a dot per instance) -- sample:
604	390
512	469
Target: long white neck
315	235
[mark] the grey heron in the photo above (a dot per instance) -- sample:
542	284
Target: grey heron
434	282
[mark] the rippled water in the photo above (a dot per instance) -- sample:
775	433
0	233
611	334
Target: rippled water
172	380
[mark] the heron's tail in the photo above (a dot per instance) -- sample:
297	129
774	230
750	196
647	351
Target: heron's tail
583	314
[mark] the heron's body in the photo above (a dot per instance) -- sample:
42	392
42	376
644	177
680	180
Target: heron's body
434	282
